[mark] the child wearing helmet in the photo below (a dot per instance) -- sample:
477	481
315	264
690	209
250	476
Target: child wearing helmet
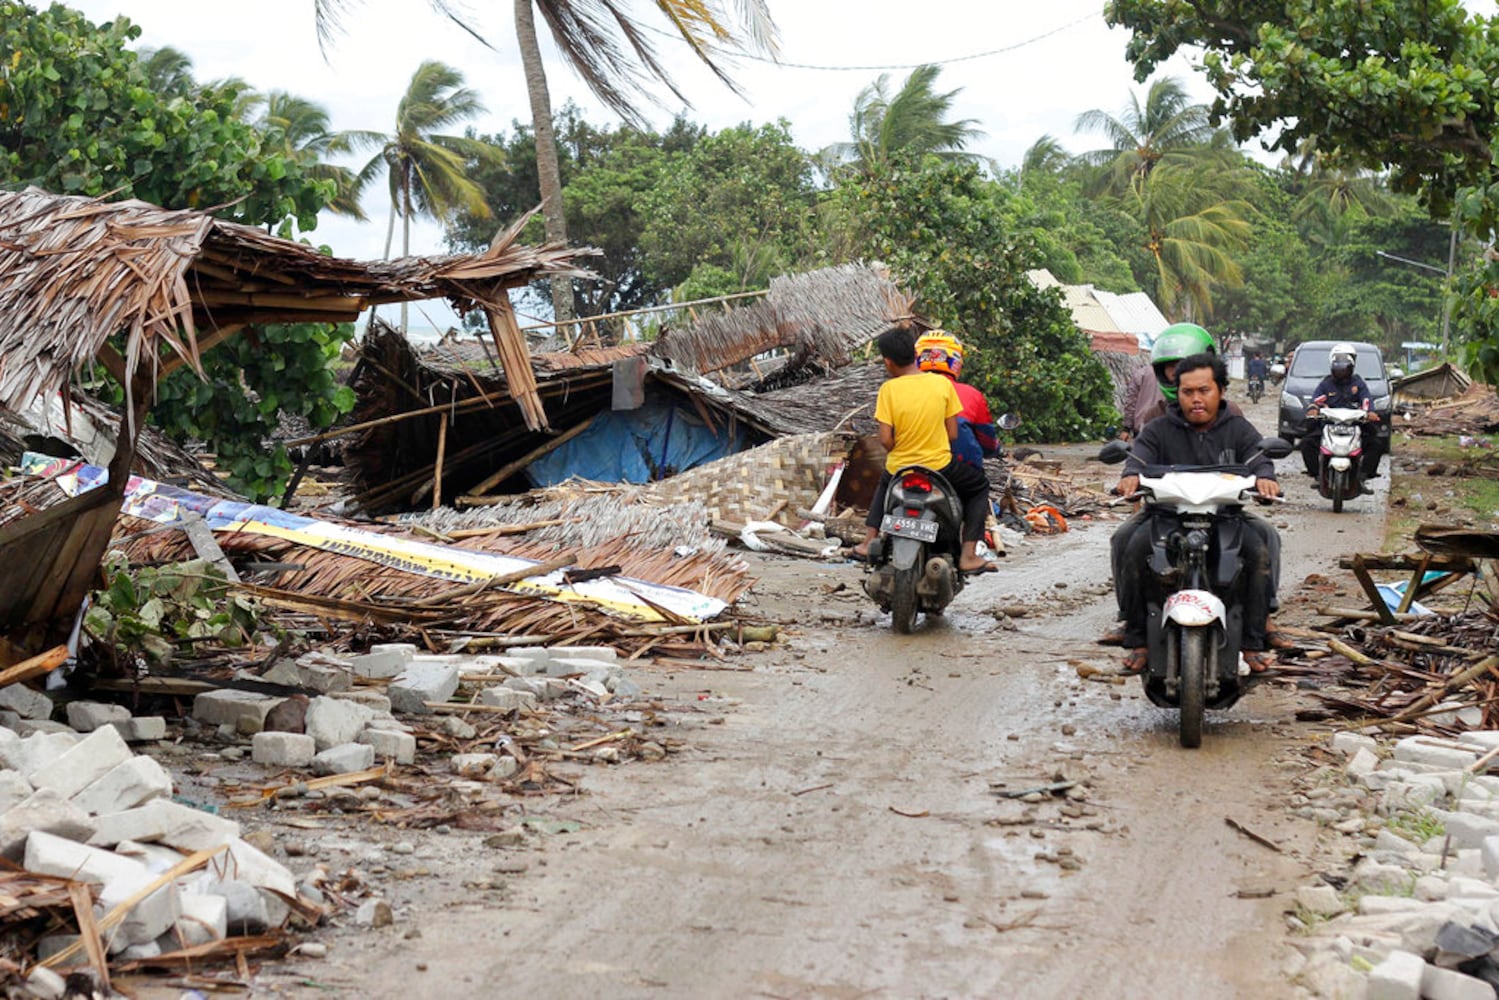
940	352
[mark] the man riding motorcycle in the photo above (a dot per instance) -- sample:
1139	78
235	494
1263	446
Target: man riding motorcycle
1342	388
1198	430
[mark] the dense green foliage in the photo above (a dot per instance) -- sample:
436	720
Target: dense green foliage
82	114
1375	84
942	230
78	115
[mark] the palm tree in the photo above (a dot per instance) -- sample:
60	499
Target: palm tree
169	70
1168	125
593	37
912	122
301	128
1045	156
426	169
1194	228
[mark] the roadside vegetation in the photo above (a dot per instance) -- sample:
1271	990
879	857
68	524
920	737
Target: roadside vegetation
1441	479
1152	193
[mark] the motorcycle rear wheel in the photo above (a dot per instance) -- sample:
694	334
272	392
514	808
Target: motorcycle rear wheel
903	601
1192	667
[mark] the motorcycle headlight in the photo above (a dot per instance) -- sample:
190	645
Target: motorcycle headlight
1291	399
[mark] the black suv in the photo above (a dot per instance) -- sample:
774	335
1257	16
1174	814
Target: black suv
1310	366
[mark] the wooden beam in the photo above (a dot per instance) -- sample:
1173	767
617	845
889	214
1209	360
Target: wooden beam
277	300
1376	599
1413	586
511	468
36	666
205	344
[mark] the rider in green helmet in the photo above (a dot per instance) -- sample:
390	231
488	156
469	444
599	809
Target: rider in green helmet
1174	343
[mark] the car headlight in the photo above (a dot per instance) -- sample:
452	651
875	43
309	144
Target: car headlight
1382	404
1292	400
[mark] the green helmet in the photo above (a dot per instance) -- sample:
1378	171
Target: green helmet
1177	341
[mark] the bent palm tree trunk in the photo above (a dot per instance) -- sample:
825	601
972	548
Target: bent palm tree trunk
547	169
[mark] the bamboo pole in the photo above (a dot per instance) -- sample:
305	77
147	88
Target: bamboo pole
442	447
510	468
36	666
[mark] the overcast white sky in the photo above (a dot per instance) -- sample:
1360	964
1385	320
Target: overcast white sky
1055	60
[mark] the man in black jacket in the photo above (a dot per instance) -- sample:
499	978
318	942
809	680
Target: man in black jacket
1198	430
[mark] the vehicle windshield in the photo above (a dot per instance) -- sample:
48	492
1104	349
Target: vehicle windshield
1313	362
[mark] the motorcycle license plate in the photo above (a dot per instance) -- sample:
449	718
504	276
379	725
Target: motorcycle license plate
909	527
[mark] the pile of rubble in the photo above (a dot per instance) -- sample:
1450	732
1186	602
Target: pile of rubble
1417	912
118	873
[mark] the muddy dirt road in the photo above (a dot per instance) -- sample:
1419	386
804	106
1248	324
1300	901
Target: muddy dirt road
834	831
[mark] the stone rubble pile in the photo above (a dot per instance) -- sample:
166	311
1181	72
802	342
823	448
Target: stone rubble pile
85	807
1418	913
353	724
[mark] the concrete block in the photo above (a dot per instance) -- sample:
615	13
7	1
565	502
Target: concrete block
126	786
1467	830
1489	851
148	919
226	707
333	722
283	749
1430	888
30	727
1371	876
423	682
535	686
1423	750
1375	904
1449	984
566	666
1323	900
313	674
473	765
390	744
43	811
383	661
605	653
143	729
504	697
457	728
33	752
245	863
44	984
86	716
345	758
1484	739
1398	977
94	756
157	857
368	697
141	951
25	702
141	824
1360	764
47	854
1349	743
204	918
244	909
189	829
14	790
1413	792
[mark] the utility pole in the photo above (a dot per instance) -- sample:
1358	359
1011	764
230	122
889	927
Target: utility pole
1447	290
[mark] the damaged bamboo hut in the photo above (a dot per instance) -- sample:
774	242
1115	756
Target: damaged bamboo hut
444	426
145	290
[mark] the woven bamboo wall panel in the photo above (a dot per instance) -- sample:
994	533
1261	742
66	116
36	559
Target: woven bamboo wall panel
750	485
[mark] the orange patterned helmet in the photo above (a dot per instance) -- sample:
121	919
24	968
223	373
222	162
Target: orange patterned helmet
937	351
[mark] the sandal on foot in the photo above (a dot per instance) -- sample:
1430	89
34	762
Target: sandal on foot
1135	661
1259	660
989	566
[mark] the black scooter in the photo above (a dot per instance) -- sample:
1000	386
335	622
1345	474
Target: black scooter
914	560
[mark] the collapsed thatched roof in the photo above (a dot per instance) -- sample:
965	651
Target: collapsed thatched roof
75	271
824	314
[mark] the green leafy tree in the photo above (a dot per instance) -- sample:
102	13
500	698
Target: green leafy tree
941	228
1377	84
738	200
79	115
913	122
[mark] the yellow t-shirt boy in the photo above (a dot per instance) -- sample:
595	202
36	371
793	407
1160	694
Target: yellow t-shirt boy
917	408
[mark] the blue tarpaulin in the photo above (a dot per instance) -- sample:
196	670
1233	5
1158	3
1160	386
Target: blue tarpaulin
638	446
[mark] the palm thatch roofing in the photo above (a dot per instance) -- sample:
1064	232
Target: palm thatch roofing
825	315
444	420
76	271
